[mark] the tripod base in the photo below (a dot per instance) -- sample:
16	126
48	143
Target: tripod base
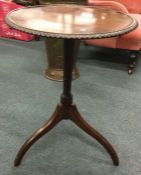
66	112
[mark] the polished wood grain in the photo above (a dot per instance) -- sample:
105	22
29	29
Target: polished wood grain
70	22
66	110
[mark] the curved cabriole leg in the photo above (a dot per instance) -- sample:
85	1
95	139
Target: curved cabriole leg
67	111
80	122
54	119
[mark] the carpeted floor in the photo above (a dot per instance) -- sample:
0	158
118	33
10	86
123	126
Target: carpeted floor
107	97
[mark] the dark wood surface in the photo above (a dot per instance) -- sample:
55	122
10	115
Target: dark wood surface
66	110
70	22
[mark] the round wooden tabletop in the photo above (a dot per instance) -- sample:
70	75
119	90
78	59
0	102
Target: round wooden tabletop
70	21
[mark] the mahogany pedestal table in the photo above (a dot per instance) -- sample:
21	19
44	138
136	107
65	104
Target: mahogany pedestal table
70	22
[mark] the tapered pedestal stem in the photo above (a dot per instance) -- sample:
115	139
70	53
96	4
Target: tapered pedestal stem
66	110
